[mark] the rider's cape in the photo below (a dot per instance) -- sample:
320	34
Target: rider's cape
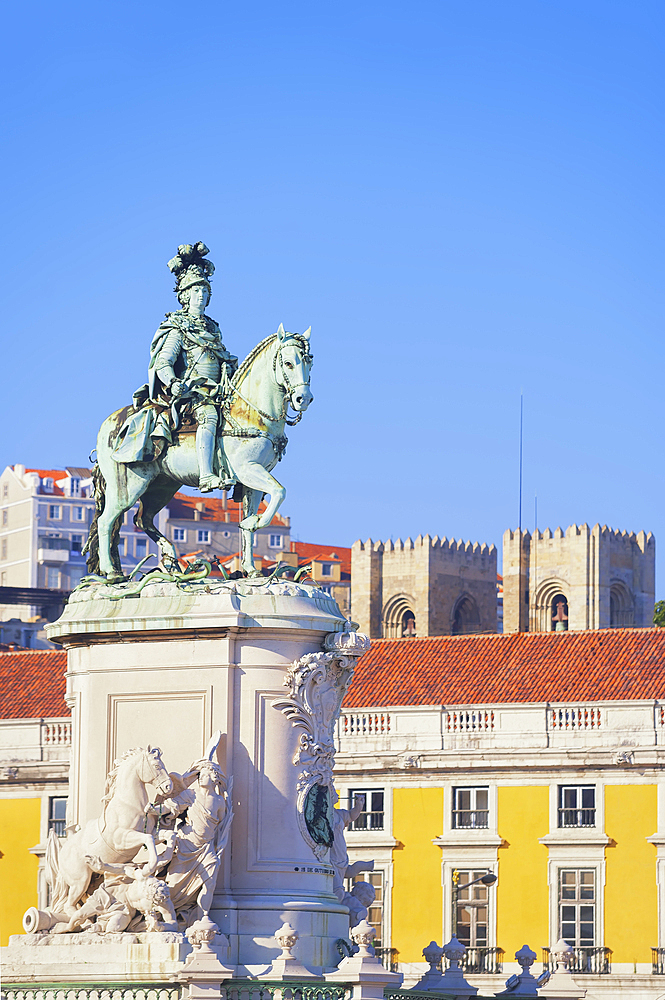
148	429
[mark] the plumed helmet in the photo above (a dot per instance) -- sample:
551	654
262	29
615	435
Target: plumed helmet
190	267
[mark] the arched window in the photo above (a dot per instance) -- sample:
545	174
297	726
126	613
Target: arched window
622	609
399	619
466	617
408	625
559	613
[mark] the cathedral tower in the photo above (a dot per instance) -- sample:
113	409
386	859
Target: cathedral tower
583	578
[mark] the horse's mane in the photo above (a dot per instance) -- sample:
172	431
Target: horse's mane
263	345
112	776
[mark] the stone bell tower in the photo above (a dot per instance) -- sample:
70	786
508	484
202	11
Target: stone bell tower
583	578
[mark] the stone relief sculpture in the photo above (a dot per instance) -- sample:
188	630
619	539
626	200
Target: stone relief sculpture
144	865
317	683
201	421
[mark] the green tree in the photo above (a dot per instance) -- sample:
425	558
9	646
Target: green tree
659	614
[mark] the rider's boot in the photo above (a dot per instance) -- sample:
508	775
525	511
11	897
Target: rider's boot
205	445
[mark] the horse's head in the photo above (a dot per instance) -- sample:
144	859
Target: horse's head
153	772
293	363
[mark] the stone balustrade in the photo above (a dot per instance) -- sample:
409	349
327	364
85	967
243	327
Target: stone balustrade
514	726
29	740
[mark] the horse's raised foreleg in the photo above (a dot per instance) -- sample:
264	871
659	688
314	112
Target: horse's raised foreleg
256	477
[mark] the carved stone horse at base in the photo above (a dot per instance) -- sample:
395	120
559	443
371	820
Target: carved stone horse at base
250	442
116	837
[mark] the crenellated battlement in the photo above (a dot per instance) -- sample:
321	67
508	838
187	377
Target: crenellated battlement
434	543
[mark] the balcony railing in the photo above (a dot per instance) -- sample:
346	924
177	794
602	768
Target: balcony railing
369	821
483	961
586	961
470	819
658	961
49	542
577	817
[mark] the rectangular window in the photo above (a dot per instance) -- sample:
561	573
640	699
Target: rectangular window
470	809
141	545
78	513
77	543
5	516
577	805
472	904
54	511
52	578
371	818
275	541
326	569
5	490
203	536
179	535
74	487
57	811
577	907
3	549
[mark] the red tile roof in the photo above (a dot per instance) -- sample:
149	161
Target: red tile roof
331	553
603	665
183	506
32	684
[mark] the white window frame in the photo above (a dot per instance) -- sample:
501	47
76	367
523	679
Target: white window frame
179	534
560	902
578	808
277	541
76	511
49	571
205	532
326	569
474	789
54	517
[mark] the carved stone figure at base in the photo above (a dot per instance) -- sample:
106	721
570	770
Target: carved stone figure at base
358	901
116	837
200	837
115	905
339	855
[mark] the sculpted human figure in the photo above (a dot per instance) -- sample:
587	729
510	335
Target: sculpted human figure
189	364
358	901
339	855
201	836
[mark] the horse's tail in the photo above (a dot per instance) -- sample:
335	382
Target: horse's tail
58	886
91	546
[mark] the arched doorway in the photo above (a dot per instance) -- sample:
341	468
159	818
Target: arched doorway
622	607
466	617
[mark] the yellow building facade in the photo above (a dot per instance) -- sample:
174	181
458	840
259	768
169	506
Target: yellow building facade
564	801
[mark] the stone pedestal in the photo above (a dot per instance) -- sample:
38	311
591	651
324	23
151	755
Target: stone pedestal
170	666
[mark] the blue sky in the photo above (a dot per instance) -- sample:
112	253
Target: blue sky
463	198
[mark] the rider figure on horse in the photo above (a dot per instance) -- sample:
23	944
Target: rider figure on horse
189	365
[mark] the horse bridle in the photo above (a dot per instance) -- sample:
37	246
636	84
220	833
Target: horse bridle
288	388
